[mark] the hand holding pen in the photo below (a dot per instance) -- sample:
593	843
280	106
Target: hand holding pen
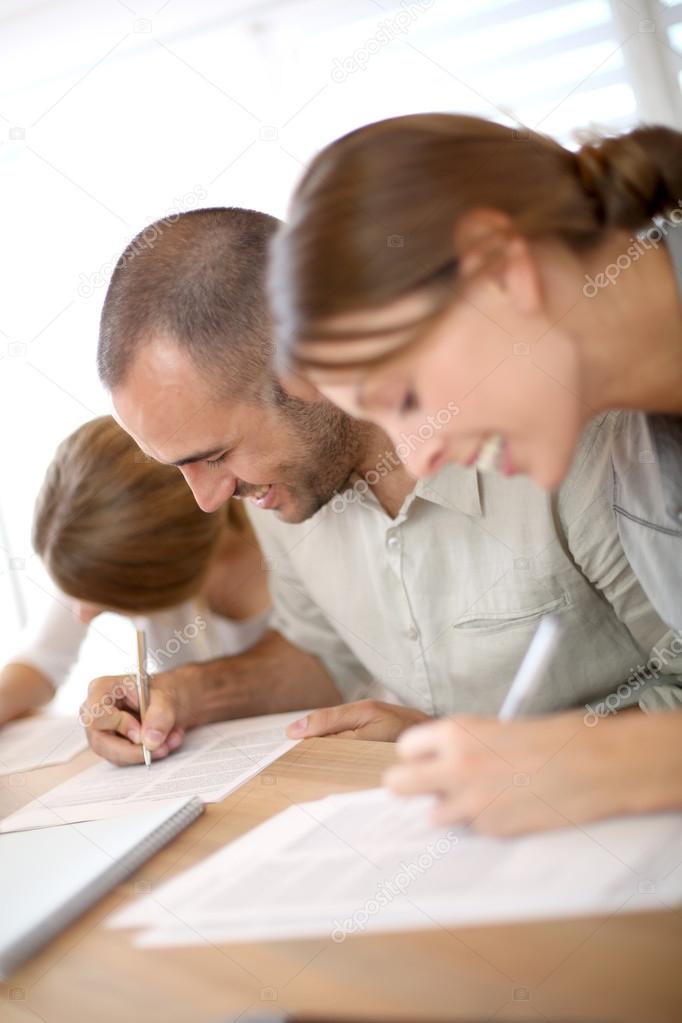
483	770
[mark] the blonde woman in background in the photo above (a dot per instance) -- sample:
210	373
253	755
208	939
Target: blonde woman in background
122	533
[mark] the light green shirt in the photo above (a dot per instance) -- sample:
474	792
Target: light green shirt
440	603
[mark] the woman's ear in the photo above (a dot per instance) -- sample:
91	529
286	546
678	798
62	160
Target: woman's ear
485	241
522	277
477	237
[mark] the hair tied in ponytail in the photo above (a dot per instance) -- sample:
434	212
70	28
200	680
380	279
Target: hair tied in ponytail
592	171
633	176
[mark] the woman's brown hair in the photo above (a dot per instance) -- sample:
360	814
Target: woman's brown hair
116	529
374	216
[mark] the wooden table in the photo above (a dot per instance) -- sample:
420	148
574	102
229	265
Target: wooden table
623	967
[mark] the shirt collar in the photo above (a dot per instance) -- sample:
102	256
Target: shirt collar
455	488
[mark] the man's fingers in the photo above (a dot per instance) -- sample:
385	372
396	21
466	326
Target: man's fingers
116	734
326	721
318	722
116	750
109	690
175	738
115	719
122	752
158	721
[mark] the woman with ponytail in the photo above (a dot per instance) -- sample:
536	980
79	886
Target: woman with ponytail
489	291
434	261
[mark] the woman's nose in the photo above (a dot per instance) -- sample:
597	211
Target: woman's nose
426	460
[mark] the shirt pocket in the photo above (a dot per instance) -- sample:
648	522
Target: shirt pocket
499	620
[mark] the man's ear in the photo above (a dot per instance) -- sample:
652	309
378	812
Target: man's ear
299	387
485	241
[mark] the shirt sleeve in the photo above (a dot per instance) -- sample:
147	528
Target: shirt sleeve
53	644
296	616
647	499
591	530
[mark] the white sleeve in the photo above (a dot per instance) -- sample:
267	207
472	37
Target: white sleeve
53	644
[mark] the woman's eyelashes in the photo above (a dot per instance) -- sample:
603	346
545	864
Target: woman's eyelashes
214	462
409	402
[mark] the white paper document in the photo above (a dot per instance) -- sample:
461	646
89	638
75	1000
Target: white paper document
368	861
213	761
39	742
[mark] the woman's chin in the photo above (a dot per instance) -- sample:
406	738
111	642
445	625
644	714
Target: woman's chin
550	474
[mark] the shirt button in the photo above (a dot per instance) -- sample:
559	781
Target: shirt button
412	632
393	542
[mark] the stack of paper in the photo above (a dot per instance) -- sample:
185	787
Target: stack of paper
367	861
214	760
39	742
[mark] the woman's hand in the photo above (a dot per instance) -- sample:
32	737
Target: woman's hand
366	719
506	778
22	688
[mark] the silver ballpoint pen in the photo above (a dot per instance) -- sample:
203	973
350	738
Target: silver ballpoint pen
143	685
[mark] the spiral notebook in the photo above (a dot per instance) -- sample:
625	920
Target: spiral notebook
50	877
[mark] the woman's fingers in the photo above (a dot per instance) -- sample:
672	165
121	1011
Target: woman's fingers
428	740
419	779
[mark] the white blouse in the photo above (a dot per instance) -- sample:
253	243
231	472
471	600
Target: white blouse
179	635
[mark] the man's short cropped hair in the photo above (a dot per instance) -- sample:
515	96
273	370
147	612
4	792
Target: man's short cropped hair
198	278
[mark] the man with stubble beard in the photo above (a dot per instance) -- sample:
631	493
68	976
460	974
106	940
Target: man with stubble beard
429	591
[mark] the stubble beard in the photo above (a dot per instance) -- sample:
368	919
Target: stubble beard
331	445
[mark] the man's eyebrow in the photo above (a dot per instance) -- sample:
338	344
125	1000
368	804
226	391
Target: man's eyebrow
200	457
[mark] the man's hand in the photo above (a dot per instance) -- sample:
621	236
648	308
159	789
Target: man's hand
270	677
366	719
110	716
506	778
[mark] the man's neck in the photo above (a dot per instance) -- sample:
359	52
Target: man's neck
384	472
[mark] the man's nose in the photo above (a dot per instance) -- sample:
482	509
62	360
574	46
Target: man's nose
210	492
